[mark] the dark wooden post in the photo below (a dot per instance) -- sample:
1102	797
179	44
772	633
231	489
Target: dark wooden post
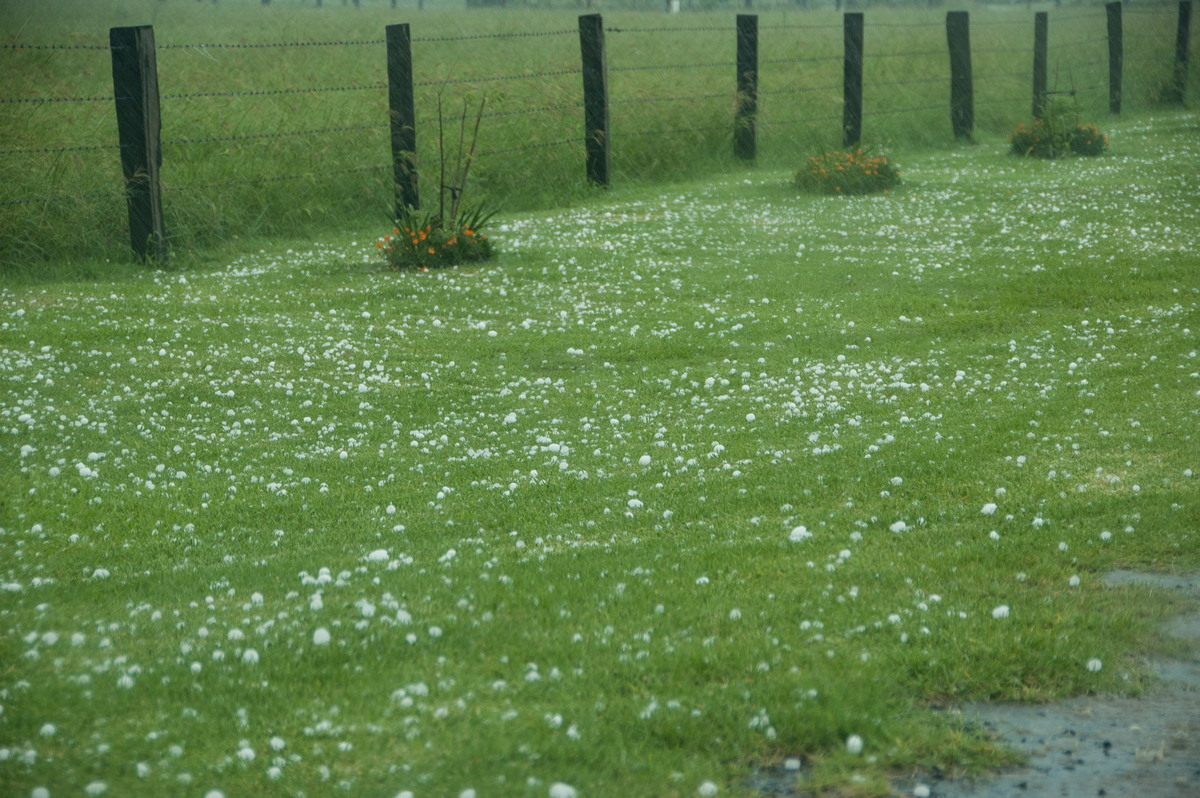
962	92
403	114
595	97
1041	29
745	143
1116	56
1177	89
135	90
852	75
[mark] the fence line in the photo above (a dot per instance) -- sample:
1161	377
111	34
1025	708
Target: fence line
137	98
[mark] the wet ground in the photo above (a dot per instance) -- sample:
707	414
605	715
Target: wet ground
1147	747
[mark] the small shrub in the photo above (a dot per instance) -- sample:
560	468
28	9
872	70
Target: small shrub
848	172
1057	134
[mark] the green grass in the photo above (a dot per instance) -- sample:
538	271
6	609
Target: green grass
585	463
229	176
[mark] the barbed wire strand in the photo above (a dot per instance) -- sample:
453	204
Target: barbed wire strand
14	100
81	148
268	92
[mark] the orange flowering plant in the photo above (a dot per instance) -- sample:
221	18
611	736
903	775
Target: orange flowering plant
452	234
1057	134
424	240
848	172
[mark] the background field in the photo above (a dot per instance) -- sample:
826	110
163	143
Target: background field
262	141
691	481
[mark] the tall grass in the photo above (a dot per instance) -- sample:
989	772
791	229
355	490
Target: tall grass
296	162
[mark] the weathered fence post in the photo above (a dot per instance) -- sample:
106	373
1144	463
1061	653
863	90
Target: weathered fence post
745	142
403	115
1177	89
595	97
962	92
135	90
1041	29
1116	56
852	76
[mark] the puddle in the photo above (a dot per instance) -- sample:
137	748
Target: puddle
1092	745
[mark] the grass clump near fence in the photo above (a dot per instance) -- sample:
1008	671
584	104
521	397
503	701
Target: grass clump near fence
691	481
275	118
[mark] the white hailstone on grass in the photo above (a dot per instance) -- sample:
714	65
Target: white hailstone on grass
1106	535
96	788
246	753
277	744
1000	612
854	744
101	573
988	509
467	793
898	527
435	631
792	763
250	657
379	555
750	417
214	794
560	790
321	637
48	730
39	792
1073	581
125	682
798	534
644	460
635	504
921	791
143	770
196	667
1094	665
405	794
707	790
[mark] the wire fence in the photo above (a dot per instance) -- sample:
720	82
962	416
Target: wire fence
672	96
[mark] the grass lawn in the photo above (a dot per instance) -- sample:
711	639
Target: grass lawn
690	480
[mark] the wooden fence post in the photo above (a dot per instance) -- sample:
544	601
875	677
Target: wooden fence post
135	90
962	92
1041	30
403	116
852	76
745	142
1116	56
1177	89
595	97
